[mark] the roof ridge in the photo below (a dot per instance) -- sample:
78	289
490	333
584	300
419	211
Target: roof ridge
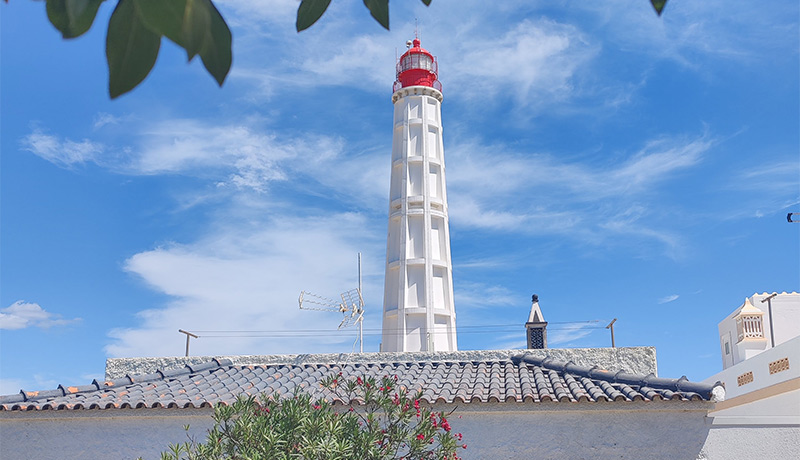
159	374
682	384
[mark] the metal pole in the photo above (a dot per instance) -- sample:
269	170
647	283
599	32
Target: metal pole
611	326
361	320
188	335
769	303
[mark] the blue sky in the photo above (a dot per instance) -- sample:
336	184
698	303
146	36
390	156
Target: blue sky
617	164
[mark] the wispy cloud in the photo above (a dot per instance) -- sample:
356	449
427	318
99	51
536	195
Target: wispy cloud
577	200
537	61
668	299
102	119
63	152
766	190
693	31
480	295
566	334
22	315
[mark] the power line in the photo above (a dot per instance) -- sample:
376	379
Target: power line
478	326
369	332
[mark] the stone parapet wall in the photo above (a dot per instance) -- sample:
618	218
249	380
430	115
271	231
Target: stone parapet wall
639	360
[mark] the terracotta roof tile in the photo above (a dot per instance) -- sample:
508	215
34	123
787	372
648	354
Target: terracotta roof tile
521	379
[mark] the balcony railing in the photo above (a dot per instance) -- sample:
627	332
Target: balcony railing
436	85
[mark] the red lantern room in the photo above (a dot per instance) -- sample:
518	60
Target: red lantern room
417	67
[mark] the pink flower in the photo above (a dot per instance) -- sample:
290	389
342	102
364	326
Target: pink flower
420	436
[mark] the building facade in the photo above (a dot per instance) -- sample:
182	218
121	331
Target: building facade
760	348
762	322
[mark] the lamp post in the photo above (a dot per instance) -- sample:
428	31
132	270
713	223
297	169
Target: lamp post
188	336
769	307
611	326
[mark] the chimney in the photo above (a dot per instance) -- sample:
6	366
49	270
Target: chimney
536	327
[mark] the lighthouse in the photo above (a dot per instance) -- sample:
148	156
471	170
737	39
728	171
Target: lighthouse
418	309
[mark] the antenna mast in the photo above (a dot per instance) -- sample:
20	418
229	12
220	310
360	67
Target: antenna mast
351	306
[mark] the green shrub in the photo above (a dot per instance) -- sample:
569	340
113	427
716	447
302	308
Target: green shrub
380	421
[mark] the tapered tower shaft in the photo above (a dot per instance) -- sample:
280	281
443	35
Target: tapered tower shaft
418	309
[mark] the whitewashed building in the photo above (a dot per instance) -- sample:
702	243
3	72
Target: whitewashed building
762	322
760	348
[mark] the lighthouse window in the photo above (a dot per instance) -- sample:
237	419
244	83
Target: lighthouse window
425	62
417	61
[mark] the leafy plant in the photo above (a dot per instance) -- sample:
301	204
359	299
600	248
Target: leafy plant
379	421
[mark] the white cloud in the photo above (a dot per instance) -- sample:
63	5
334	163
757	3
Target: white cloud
498	188
536	61
532	63
668	299
102	119
63	152
477	295
766	189
271	11
569	333
517	52
250	159
245	279
21	315
692	32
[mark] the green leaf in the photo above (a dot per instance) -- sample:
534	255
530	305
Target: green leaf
309	12
205	33
427	2
164	17
196	23
379	9
216	52
131	49
72	17
658	5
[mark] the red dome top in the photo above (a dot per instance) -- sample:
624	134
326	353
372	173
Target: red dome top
417	67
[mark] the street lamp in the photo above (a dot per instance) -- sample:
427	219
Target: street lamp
769	303
611	326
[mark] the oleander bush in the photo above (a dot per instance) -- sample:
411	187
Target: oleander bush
381	421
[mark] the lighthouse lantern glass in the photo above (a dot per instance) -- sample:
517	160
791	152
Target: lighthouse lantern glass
416	61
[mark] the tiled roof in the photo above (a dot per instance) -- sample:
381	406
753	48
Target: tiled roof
521	379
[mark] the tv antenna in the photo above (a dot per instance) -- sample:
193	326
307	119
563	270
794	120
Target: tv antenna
351	306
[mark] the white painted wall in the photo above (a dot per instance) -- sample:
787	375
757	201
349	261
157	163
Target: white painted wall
759	367
644	430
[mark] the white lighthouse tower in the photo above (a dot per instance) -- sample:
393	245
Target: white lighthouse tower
418	311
